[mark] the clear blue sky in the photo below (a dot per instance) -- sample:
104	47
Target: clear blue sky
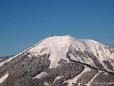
25	22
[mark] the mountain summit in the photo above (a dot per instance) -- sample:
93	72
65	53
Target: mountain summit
60	61
89	52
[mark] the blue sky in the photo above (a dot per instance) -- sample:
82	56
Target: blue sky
25	22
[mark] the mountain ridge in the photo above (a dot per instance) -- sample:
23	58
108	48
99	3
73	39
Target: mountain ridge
60	61
80	45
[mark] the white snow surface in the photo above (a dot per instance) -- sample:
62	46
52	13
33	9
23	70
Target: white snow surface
58	46
2	79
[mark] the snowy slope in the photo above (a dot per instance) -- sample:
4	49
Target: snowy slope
59	46
86	51
60	61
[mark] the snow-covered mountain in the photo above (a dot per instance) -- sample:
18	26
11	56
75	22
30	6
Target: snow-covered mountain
89	51
60	61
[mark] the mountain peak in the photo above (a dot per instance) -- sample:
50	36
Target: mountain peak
59	47
58	59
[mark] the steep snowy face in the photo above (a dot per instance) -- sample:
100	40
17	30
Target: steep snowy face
60	61
91	52
68	48
56	46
